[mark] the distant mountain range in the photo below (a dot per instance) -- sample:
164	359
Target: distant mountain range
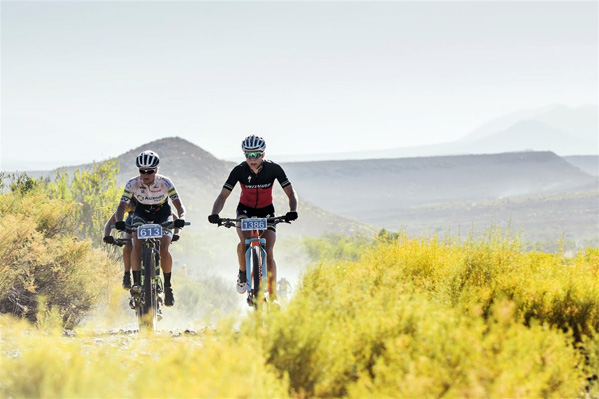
556	128
543	194
587	163
549	196
380	185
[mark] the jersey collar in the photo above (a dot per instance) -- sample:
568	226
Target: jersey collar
260	167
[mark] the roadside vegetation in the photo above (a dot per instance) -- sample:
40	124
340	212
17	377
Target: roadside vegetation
49	260
389	316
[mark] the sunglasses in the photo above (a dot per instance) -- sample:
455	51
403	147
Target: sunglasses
253	155
147	171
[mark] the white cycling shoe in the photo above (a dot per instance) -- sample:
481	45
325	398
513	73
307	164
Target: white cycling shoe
242	287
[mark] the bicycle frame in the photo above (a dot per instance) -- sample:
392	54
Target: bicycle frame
255	244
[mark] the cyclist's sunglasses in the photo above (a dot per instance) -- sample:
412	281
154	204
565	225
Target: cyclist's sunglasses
147	171
253	155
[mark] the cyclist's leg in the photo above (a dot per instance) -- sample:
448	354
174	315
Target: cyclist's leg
166	260
166	263
271	238
241	248
128	248
159	217
136	253
242	211
136	250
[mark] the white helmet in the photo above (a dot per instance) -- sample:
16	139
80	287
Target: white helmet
253	143
147	159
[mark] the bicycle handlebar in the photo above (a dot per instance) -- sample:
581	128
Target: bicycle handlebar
167	225
227	222
119	242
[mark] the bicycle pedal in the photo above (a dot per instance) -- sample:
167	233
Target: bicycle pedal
135	290
251	300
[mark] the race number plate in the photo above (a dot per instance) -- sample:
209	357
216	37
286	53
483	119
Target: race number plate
253	224
149	231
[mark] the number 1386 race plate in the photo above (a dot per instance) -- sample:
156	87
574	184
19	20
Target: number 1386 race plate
253	224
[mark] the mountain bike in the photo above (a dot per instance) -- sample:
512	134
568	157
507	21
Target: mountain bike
146	299
255	254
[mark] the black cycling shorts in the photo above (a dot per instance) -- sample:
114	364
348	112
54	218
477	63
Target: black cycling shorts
244	211
163	215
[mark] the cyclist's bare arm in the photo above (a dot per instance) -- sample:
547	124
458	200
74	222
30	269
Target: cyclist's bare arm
110	222
219	204
120	211
175	217
292	198
180	208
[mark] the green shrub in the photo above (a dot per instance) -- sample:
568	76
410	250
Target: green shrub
407	318
94	191
415	318
40	257
335	246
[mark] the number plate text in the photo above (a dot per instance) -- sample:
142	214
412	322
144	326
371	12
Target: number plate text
149	231
253	224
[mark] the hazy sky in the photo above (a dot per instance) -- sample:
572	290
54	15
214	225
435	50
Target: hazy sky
89	80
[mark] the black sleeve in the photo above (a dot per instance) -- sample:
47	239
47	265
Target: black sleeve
281	176
233	178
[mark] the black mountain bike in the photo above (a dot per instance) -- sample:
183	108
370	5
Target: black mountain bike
146	299
255	254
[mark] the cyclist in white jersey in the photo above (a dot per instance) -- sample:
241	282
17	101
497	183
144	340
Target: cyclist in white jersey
152	192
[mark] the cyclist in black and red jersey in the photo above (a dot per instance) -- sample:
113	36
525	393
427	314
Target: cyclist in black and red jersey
256	177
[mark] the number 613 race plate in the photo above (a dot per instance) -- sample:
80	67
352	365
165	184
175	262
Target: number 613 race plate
149	231
253	224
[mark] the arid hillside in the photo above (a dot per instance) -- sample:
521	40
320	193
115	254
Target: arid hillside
540	193
546	196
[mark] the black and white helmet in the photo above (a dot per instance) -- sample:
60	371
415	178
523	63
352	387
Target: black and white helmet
253	143
147	159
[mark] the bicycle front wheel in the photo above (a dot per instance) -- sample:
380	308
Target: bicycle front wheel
149	303
256	274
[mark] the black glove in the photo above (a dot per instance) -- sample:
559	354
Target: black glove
214	218
109	239
175	237
120	225
291	216
179	223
